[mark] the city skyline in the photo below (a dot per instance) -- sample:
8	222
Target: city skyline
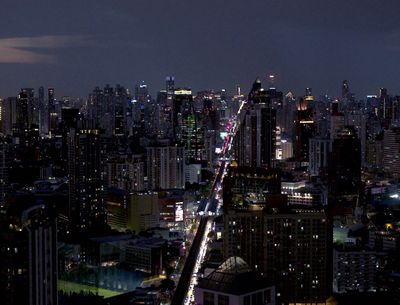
74	47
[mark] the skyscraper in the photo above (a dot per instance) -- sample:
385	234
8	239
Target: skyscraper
52	113
86	179
182	100
24	112
344	173
304	130
255	139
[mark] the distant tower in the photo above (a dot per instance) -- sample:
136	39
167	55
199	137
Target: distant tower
170	84
271	81
345	90
25	111
43	128
52	114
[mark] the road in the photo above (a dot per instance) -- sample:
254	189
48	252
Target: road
188	278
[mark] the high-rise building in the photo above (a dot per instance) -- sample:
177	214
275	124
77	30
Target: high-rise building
42	109
305	129
52	112
165	166
126	171
287	245
28	254
255	140
344	171
318	155
24	112
182	100
86	179
391	151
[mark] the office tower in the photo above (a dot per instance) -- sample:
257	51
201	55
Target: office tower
384	106
9	115
28	269
346	93
24	112
192	134
318	155
358	119
182	100
170	88
305	129
336	120
234	283
255	140
391	151
42	108
86	179
120	103
344	173
52	111
165	166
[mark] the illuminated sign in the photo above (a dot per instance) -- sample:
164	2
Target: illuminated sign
178	211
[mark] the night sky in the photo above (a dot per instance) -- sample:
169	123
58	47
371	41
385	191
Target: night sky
75	45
